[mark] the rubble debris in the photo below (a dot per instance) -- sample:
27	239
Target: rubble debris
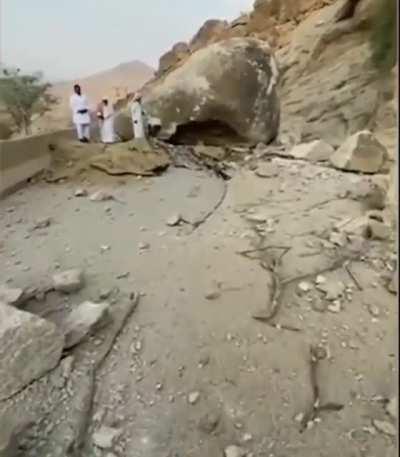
361	152
193	397
234	451
69	281
105	437
314	151
81	193
83	320
212	152
42	223
10	296
332	289
29	347
385	427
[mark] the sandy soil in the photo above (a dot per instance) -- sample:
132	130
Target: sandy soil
193	330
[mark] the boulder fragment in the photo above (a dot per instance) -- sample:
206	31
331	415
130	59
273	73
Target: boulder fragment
105	437
361	152
10	296
314	151
68	281
29	347
85	319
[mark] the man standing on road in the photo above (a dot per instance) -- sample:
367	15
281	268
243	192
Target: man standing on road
138	117
80	114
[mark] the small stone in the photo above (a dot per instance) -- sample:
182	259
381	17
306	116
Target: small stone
267	170
257	217
159	386
305	287
67	366
333	290
338	238
247	437
374	310
299	418
105	437
68	281
42	223
314	151
81	193
392	285
193	397
83	320
209	422
101	196
143	246
234	451
392	408
105	293
105	248
10	296
378	230
174	220
212	295
385	427
335	307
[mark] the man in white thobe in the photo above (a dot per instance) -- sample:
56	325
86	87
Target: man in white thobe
106	116
80	114
138	117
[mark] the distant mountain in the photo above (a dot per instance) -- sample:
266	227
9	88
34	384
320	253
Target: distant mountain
114	83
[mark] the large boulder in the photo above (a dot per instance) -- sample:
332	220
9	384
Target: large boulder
123	126
29	347
228	86
361	152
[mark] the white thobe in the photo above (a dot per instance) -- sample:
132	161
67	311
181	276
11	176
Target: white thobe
138	120
107	125
81	121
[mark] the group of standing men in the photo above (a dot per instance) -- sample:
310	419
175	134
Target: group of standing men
81	117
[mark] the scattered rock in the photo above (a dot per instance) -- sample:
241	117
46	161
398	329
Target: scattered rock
247	437
101	196
105	293
378	230
315	151
304	287
234	451
257	217
42	223
212	152
174	220
10	296
332	289
68	281
193	397
143	246
212	295
267	170
83	320
29	347
67	365
392	408
361	152
385	427
105	437
373	310
81	193
209	422
335	307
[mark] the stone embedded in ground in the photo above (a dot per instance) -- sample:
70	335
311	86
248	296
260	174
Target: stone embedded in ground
10	295
212	295
143	246
385	427
209	422
174	220
361	152
304	287
193	397
314	151
105	437
234	451
68	281
257	217
29	348
83	320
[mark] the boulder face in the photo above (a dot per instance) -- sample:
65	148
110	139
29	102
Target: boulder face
228	87
172	58
361	152
207	33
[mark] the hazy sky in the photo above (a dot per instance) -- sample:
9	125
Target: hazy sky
74	38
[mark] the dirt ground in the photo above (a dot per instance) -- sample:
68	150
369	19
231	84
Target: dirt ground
200	363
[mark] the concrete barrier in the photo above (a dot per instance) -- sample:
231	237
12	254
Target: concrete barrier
21	159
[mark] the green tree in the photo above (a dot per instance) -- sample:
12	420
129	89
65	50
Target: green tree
24	95
384	35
